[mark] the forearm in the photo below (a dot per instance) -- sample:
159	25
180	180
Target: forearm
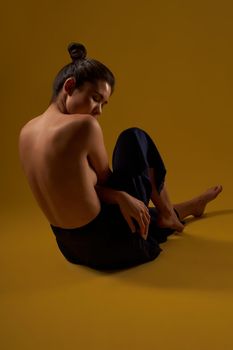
108	195
133	210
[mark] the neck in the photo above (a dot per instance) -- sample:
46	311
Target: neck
59	104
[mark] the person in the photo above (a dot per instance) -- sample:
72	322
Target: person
100	217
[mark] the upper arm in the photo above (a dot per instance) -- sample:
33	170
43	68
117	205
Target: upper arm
96	151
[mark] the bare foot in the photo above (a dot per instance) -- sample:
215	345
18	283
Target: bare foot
170	221
200	202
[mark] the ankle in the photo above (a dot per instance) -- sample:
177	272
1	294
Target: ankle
165	211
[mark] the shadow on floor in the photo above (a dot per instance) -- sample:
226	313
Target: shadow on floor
192	260
189	261
209	215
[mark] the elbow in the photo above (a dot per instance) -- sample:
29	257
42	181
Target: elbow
104	179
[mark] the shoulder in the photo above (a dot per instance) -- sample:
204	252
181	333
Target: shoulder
29	129
87	125
25	131
80	121
88	122
82	131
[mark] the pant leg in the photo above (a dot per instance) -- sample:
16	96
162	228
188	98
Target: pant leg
134	153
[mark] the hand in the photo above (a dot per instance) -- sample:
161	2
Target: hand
132	208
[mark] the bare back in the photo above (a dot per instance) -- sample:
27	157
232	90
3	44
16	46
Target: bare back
55	162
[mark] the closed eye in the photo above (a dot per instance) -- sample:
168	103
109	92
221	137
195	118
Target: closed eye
96	98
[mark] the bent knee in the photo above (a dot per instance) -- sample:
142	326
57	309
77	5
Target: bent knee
132	131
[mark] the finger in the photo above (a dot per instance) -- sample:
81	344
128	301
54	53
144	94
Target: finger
147	214
146	235
141	224
130	223
146	220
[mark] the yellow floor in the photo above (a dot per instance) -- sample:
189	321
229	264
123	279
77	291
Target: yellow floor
173	66
182	300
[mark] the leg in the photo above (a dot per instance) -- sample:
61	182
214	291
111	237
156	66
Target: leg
133	155
138	169
195	206
166	215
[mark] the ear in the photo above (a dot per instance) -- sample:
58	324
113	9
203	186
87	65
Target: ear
69	85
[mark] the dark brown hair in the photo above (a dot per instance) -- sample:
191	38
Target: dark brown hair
82	69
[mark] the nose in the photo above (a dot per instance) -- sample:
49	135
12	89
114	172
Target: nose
97	110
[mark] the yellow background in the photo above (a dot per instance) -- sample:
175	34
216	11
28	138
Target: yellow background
173	66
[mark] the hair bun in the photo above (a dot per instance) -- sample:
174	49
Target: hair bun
77	51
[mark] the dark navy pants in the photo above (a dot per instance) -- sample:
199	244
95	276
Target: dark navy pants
107	241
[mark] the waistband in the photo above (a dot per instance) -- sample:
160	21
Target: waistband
58	229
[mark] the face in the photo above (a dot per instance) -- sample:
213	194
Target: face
89	98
